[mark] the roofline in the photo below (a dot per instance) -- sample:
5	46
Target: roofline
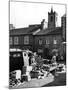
21	34
47	34
50	31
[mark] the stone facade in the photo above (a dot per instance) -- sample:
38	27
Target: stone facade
49	42
39	39
52	19
23	42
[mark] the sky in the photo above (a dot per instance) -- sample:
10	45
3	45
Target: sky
23	14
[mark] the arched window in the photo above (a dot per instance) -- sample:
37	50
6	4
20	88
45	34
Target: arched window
51	18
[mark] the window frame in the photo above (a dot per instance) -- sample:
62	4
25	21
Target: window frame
16	40
47	42
40	42
10	41
26	40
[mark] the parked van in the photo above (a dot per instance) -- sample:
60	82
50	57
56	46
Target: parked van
19	58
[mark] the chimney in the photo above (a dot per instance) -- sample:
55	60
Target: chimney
43	24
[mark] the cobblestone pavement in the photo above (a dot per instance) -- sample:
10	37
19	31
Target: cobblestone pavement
36	82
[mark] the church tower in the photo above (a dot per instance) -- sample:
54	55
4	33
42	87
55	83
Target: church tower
52	19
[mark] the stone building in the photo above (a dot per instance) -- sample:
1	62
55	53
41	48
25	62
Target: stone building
22	38
49	39
52	19
38	38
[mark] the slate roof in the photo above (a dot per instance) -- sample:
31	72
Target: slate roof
33	28
50	31
27	30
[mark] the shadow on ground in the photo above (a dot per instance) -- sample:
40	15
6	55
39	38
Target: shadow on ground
59	80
